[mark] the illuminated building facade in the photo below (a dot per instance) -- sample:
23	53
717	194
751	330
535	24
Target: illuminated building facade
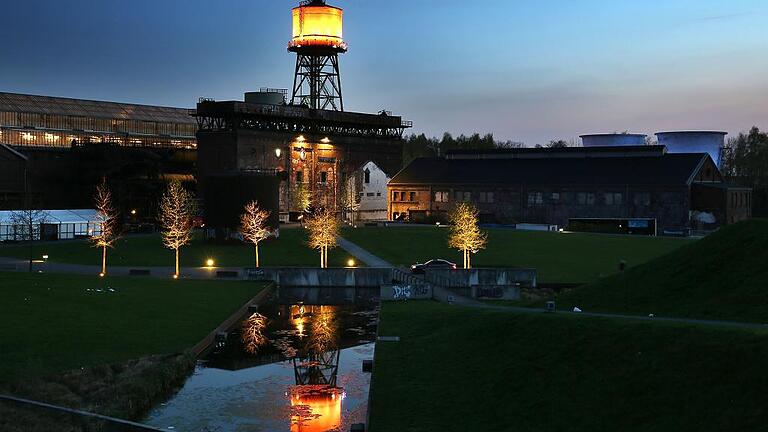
53	151
313	152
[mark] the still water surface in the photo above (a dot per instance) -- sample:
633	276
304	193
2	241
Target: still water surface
304	374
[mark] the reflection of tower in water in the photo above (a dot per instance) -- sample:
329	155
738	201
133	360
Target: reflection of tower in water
318	363
315	400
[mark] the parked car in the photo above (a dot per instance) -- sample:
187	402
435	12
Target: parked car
433	264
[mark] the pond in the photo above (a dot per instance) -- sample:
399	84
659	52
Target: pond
289	367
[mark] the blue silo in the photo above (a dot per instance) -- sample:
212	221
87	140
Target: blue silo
711	142
612	139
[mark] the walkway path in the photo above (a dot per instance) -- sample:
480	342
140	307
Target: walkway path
363	255
15	264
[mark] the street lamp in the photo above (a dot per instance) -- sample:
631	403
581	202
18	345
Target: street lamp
302	154
278	152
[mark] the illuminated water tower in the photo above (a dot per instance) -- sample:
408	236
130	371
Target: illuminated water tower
317	41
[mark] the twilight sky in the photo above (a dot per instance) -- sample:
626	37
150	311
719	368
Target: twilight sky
527	70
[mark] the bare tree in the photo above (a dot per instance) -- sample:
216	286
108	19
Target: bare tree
323	232
27	226
108	223
177	207
465	234
253	226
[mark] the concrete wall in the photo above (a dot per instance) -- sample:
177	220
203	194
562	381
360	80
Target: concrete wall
331	277
498	283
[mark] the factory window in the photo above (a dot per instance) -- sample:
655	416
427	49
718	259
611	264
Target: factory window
642	198
411	196
299	176
323	177
612	198
441	196
535	199
378	194
370	194
486	197
367	175
585	198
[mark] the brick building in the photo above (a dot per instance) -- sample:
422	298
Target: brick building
641	189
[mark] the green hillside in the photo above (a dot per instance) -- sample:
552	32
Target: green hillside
724	276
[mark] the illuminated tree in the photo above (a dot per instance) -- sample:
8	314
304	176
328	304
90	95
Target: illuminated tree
108	223
302	198
465	235
177	207
253	332
323	230
253	226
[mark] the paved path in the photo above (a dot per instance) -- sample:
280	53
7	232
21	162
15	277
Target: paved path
14	264
363	255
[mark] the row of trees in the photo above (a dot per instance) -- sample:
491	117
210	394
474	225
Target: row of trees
178	208
420	146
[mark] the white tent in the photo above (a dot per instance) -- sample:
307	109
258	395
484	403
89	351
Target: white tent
53	224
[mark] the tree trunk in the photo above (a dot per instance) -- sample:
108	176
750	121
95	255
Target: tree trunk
469	257
256	247
177	262
321	257
103	260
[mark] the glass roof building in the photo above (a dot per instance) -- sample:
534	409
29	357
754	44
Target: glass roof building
45	121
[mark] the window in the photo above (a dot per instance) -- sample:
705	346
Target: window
299	176
555	197
642	198
535	199
367	176
441	196
395	196
411	196
612	198
370	194
486	197
378	194
585	198
458	195
323	177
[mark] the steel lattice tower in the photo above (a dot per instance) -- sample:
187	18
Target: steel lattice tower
317	41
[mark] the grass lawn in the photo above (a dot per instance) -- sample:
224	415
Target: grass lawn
50	322
458	369
558	257
723	276
147	250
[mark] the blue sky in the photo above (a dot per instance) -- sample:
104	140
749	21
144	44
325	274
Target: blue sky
525	70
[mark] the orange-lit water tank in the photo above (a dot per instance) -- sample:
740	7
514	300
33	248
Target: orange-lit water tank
317	26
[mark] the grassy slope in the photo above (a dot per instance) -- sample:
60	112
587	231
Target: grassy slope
459	369
290	249
49	322
724	276
558	257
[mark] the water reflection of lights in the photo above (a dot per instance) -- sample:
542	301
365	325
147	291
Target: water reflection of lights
315	408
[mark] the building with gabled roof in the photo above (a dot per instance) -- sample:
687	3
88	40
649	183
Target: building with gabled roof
640	189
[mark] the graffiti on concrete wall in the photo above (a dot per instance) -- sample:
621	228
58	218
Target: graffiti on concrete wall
405	292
